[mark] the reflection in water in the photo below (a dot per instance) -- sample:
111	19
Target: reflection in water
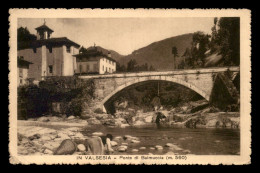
196	141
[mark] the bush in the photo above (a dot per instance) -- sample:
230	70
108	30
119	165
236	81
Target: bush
72	92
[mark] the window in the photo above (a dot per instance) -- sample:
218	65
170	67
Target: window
20	72
87	67
109	70
34	50
80	68
103	68
95	67
50	49
50	69
21	81
106	69
68	49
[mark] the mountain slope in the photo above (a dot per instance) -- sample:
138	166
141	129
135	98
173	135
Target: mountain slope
159	54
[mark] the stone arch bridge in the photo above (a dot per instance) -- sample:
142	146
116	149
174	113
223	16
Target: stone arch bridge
198	80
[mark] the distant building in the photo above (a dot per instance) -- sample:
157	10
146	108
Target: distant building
95	62
22	71
50	56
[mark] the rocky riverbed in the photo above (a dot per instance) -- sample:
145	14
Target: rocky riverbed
34	140
42	136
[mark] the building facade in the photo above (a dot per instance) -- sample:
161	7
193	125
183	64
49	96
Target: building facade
49	56
95	62
22	71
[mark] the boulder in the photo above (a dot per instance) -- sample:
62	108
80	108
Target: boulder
122	148
47	151
113	143
109	122
152	148
78	135
124	125
35	136
158	147
169	145
81	147
63	136
46	138
135	150
169	153
43	119
71	117
135	141
118	138
125	144
139	123
66	147
93	121
149	119
142	148
175	148
97	134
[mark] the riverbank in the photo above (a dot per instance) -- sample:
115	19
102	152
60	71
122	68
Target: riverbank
45	139
42	136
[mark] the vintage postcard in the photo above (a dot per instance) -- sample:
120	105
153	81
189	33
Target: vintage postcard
125	86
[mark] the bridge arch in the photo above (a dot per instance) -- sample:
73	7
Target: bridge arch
156	78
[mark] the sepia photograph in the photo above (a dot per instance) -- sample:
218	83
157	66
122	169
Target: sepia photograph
128	88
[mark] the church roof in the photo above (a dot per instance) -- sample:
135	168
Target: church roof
54	42
44	27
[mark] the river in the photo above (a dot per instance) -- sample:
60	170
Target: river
192	141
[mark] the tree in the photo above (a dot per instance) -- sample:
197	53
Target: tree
187	57
226	35
175	54
24	37
151	68
131	65
200	44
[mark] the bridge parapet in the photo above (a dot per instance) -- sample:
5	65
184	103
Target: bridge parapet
163	73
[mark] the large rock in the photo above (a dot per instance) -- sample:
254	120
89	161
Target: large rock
43	119
81	147
93	121
66	147
139	123
122	148
113	143
47	151
97	134
71	117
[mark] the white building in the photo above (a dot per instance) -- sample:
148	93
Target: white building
95	62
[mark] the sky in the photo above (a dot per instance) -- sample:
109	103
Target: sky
123	35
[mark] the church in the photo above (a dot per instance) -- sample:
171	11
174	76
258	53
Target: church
49	56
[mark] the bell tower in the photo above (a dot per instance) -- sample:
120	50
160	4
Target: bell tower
43	32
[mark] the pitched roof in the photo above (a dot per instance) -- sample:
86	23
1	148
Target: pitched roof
48	42
44	27
92	53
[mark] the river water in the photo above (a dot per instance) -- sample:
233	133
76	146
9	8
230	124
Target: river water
191	141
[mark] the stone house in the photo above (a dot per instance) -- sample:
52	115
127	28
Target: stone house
22	71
